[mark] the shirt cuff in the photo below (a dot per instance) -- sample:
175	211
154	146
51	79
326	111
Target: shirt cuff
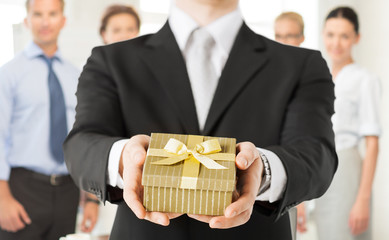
114	178
5	170
370	130
278	178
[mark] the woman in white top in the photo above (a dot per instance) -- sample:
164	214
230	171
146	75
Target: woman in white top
344	212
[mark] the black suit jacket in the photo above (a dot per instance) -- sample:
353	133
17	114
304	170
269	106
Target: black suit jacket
276	96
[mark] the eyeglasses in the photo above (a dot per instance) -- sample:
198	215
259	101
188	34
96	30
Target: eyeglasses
288	36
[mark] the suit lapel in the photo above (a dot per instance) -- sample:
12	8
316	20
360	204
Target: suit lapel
165	60
247	57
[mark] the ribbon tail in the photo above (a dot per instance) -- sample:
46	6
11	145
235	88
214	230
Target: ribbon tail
171	160
207	162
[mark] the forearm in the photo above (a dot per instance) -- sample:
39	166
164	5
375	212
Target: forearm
99	124
86	156
5	191
91	196
368	168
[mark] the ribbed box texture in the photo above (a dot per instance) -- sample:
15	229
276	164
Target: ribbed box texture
162	184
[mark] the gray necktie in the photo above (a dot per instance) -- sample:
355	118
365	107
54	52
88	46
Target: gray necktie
58	123
201	72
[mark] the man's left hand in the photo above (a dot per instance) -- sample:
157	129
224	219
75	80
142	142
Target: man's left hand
249	176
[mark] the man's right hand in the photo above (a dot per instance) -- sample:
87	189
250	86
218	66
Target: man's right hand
13	216
131	169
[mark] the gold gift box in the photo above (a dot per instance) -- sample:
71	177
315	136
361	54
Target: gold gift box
188	186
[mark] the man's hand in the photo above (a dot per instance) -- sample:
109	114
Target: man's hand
249	175
131	168
13	217
91	213
301	218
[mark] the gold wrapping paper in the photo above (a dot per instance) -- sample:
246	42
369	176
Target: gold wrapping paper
188	186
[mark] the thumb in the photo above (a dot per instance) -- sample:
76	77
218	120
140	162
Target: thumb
23	214
85	223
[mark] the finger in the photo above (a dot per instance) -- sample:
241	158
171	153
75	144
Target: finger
86	225
173	215
138	143
301	229
351	224
83	224
223	222
364	225
136	154
201	218
361	226
92	225
135	150
158	218
357	228
23	214
17	223
6	225
250	180
133	201
301	224
132	174
247	154
244	203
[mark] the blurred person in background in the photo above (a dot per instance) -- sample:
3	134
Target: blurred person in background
344	212
119	23
38	198
289	28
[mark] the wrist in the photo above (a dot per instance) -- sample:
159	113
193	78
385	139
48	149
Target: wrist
364	198
92	200
5	192
266	174
121	161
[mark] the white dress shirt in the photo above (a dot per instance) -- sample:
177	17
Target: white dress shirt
356	106
224	31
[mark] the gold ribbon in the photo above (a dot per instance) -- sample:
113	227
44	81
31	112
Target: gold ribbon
195	153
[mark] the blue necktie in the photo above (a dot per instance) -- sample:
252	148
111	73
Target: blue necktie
58	125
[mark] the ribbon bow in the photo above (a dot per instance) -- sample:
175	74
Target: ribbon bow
195	153
178	151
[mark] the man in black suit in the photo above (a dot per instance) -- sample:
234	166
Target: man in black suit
275	97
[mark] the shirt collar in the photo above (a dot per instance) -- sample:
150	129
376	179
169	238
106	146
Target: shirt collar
32	50
223	29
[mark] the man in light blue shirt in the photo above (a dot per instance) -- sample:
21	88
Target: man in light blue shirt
38	199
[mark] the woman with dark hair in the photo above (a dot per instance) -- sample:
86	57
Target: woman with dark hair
119	23
344	212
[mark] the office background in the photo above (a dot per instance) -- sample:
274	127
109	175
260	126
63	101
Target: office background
80	35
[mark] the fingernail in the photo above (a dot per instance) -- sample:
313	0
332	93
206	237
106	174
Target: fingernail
161	221
244	162
216	225
233	214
